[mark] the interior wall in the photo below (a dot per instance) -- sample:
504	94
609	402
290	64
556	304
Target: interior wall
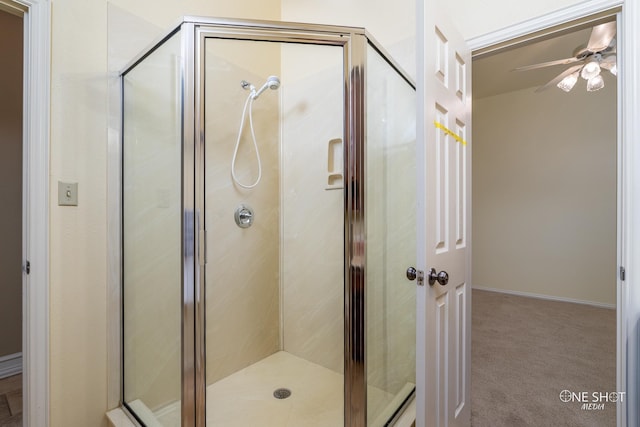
11	185
497	14
313	204
392	23
544	192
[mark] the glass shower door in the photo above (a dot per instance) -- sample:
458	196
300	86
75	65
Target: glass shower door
274	212
390	157
152	238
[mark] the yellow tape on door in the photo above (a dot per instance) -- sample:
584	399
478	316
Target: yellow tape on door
449	132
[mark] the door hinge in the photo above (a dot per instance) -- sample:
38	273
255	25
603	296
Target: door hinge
27	267
622	273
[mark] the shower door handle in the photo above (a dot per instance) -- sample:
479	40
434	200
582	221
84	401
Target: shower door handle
442	277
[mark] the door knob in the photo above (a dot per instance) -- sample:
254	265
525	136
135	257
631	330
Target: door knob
442	277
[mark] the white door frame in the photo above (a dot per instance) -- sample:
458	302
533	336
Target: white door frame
35	295
628	233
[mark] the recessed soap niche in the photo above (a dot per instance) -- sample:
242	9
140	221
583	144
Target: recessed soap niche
335	178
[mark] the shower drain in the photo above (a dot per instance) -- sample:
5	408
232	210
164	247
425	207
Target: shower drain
282	393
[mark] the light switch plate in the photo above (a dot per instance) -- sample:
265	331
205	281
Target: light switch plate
67	193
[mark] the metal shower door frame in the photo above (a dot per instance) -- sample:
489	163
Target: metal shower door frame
354	41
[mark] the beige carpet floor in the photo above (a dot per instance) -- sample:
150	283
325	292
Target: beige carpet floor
526	351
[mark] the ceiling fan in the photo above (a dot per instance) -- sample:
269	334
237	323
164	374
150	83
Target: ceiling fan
587	61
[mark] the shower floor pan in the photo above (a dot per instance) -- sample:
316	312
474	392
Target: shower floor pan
246	398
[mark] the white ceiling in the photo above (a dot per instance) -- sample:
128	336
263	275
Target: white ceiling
492	75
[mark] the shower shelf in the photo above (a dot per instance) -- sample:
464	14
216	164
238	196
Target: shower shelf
335	178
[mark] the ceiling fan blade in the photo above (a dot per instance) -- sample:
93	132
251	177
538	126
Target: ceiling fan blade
601	36
608	60
559	77
565	61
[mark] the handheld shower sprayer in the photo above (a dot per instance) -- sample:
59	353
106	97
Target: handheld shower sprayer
273	83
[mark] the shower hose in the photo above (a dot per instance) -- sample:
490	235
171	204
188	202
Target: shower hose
249	103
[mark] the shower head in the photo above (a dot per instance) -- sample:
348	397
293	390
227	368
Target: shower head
273	83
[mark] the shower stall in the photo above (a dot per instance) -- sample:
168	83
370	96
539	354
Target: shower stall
268	183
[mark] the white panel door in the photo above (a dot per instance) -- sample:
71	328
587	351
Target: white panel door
444	338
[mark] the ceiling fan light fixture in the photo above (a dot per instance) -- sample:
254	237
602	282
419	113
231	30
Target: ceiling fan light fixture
568	82
610	63
590	70
595	83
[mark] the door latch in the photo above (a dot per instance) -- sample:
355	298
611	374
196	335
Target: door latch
413	274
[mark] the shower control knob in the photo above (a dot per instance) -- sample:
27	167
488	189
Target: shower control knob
244	216
442	277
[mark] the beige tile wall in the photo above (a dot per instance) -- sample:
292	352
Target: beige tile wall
312	245
243	280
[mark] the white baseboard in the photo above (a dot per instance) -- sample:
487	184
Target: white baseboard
545	297
10	364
